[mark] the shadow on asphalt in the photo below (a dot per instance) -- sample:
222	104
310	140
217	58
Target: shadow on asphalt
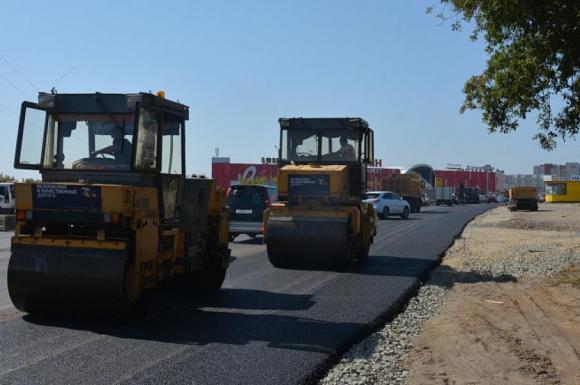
240	316
414	267
231	316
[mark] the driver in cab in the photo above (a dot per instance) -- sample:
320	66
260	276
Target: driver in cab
121	148
346	150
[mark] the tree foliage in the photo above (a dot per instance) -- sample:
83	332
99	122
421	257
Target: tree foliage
6	178
533	65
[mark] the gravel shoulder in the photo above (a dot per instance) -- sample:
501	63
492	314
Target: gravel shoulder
502	308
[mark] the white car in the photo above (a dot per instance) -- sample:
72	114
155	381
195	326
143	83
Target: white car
388	203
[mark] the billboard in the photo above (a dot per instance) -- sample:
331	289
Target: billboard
227	174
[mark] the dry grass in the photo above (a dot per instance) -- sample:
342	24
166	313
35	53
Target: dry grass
570	276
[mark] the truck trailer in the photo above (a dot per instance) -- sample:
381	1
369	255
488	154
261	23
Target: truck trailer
408	186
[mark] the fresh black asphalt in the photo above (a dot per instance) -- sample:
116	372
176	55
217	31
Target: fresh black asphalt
267	325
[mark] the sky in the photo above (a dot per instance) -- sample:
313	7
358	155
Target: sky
240	65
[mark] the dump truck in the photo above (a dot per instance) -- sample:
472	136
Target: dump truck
407	186
523	198
319	219
114	215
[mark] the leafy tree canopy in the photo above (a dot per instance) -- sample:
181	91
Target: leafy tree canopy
533	65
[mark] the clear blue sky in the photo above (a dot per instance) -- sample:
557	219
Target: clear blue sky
240	65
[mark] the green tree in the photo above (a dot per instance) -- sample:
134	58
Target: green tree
6	178
533	64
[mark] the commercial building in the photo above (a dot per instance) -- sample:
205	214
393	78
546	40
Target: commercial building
226	174
485	181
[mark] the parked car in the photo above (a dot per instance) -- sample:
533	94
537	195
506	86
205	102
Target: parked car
501	198
426	201
246	204
454	199
388	203
491	199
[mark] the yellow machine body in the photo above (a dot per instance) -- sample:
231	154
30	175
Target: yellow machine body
129	251
115	214
320	220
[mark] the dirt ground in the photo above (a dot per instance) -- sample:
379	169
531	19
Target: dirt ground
514	318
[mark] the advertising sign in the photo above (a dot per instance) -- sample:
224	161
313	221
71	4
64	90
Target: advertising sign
227	174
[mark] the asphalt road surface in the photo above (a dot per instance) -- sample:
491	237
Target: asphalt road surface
267	325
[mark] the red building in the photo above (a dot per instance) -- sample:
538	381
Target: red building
484	180
227	174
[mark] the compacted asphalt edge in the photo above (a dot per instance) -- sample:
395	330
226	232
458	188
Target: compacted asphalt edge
385	317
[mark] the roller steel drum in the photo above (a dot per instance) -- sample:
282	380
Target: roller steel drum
51	279
309	242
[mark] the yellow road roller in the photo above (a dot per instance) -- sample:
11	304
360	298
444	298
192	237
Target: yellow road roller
320	219
115	214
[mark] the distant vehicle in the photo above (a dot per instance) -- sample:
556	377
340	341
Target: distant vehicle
523	198
7	198
246	204
482	198
388	203
541	198
470	195
501	198
491	199
454	199
407	186
7	217
444	196
425	200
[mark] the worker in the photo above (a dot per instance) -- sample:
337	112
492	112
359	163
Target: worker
121	148
346	150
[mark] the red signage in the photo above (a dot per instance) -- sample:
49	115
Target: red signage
227	174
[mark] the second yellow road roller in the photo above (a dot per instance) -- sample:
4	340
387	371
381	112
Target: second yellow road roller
320	219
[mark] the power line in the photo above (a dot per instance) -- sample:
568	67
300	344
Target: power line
9	109
13	85
66	73
19	73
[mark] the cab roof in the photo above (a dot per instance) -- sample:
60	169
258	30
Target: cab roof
99	103
300	123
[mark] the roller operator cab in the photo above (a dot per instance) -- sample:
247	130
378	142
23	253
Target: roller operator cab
319	218
114	214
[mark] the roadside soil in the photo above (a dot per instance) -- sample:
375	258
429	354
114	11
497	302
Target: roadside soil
523	325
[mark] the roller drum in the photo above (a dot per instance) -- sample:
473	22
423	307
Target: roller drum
309	242
56	279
